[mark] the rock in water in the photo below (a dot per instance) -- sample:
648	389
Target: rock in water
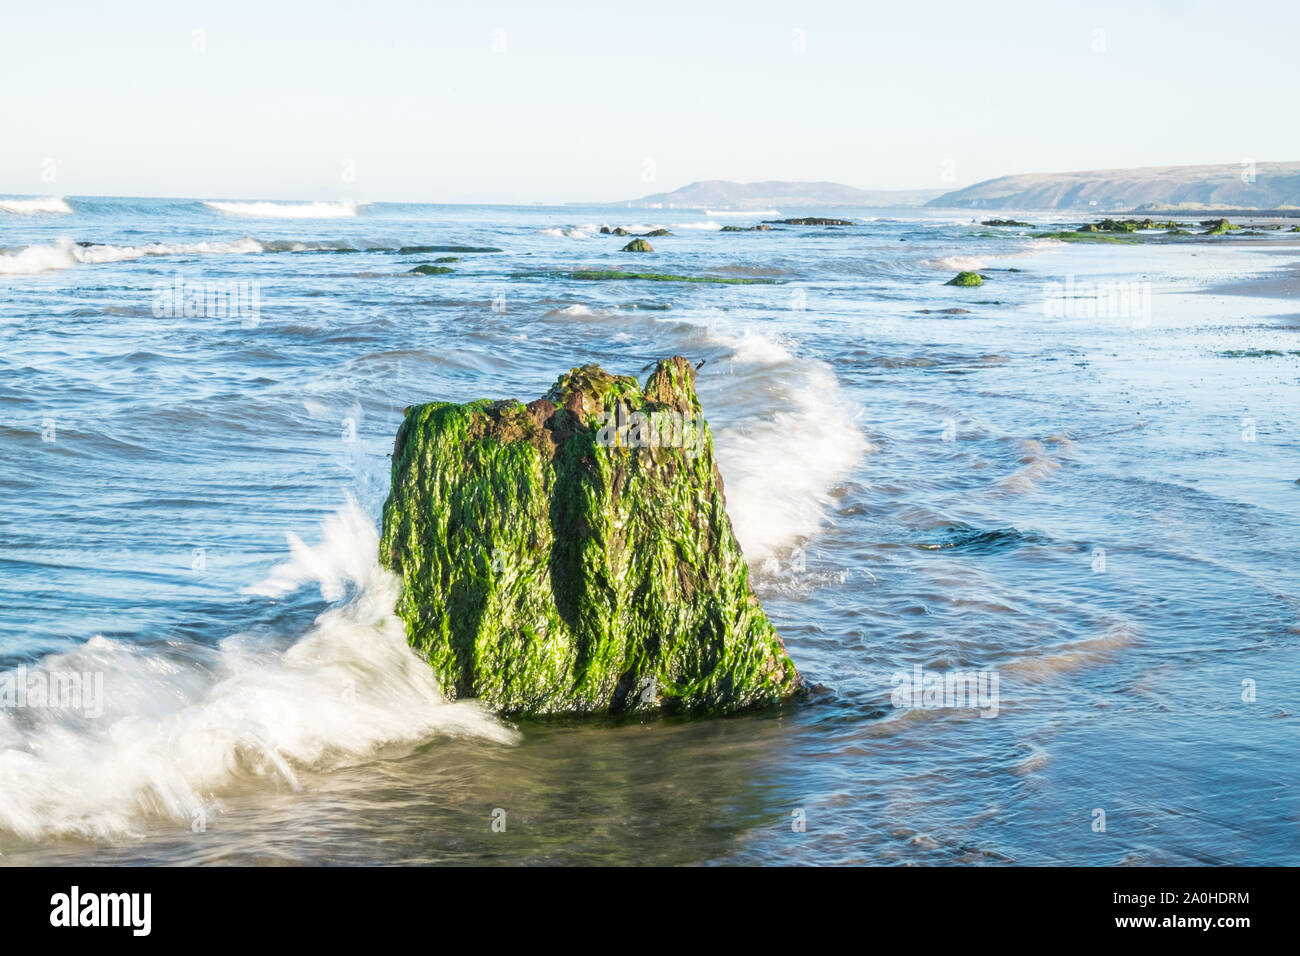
574	555
638	245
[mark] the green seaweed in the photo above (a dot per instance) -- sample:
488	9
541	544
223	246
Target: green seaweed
609	275
426	269
425	250
1074	235
552	563
966	279
1218	227
1256	353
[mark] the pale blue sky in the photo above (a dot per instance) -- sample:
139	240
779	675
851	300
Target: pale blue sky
271	99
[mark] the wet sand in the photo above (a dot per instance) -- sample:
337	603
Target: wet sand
1282	282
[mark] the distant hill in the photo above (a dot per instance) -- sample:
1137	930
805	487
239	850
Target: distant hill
721	194
1148	189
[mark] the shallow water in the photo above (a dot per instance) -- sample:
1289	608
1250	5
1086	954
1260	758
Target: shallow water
1100	510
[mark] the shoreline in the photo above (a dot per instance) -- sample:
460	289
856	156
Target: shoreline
1282	282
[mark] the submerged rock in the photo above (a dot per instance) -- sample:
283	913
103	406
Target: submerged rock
574	555
966	279
638	245
427	269
811	221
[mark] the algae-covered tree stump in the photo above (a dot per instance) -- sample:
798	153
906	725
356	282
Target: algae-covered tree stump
574	555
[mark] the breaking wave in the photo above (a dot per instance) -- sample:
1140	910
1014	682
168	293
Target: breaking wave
64	254
52	205
183	723
275	210
796	437
569	232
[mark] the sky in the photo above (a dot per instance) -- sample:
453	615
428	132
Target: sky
560	101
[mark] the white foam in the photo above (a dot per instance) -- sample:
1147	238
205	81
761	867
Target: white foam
575	311
696	225
958	263
275	210
795	441
567	232
1032	247
64	254
185	723
51	205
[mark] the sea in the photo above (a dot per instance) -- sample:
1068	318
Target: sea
1034	541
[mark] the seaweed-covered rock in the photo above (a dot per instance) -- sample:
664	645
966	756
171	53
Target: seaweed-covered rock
574	555
638	245
966	279
811	221
1218	227
427	269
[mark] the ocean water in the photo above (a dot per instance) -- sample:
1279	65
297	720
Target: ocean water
1091	499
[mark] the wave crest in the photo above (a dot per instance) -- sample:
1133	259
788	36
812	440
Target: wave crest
52	205
183	723
275	210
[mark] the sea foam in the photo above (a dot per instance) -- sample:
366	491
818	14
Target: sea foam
64	253
51	205
795	437
275	210
184	723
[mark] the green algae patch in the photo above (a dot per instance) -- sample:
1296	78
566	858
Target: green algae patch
427	269
574	555
1256	353
1113	230
426	250
447	259
966	279
612	275
1218	227
1074	235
